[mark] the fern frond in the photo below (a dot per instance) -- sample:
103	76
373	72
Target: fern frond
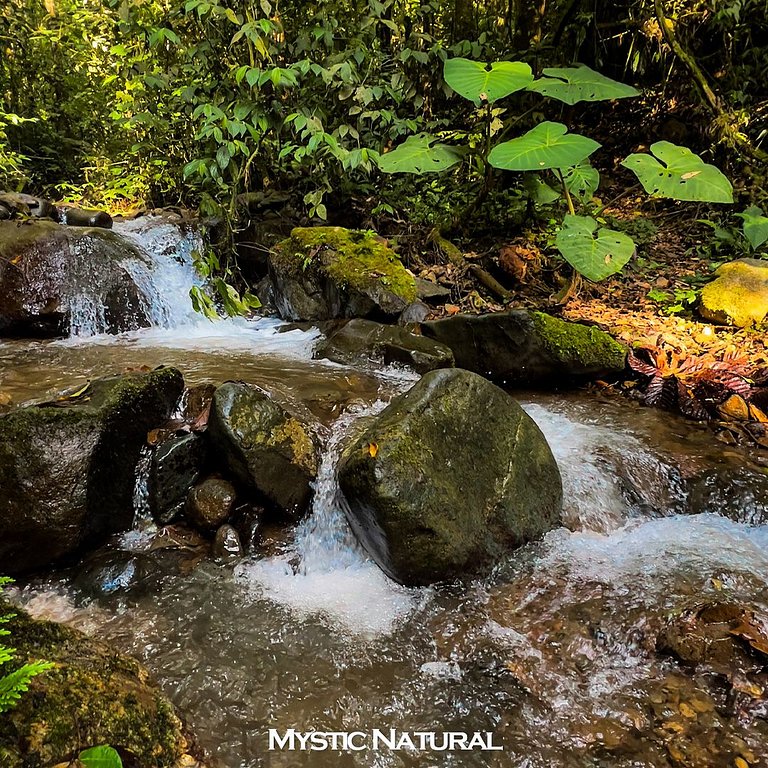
17	682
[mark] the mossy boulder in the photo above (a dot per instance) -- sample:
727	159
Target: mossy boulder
738	295
46	267
522	348
448	479
266	448
321	273
94	695
67	469
358	341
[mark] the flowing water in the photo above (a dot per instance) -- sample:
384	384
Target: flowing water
555	652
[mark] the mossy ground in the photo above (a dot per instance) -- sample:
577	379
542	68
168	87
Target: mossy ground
360	259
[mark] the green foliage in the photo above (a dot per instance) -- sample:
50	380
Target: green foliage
593	251
548	145
100	757
225	296
14	682
419	154
574	84
754	226
676	172
480	82
12	175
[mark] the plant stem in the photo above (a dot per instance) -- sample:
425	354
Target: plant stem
566	192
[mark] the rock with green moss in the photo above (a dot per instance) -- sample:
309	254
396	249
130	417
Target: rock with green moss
92	696
448	479
738	295
67	469
360	341
321	273
522	348
266	448
44	266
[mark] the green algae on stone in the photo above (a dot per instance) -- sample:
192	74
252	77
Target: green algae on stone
92	696
738	295
326	272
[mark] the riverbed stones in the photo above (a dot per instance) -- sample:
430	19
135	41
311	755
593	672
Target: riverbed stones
361	340
448	479
226	544
210	504
322	273
266	448
67	469
738	295
85	217
94	695
46	267
522	348
174	468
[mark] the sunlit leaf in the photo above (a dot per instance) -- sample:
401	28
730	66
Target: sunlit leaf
582	180
595	252
419	154
755	226
100	757
574	84
480	82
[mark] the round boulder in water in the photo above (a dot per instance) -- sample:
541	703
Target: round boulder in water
209	504
449	478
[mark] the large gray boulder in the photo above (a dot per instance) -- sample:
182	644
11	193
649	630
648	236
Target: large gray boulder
524	348
322	273
449	478
266	448
45	267
67	469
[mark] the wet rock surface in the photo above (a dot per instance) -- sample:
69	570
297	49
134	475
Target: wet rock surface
322	273
67	469
175	467
364	341
522	348
265	447
94	695
449	478
210	504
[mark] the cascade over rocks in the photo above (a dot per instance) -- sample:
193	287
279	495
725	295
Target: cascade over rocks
358	341
524	348
449	478
94	695
67	469
265	447
322	273
44	266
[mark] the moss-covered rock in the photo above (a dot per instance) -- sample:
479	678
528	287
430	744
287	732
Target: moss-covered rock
67	469
521	348
360	340
738	295
448	479
44	266
92	696
321	273
265	447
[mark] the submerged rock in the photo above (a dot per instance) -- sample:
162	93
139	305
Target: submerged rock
226	543
524	348
67	469
46	267
321	273
210	504
364	340
738	295
266	448
449	478
94	695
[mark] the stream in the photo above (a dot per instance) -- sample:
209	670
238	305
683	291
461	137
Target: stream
554	652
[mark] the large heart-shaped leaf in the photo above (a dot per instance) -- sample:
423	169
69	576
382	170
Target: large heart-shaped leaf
755	226
582	180
100	757
539	191
678	173
574	84
419	154
593	252
548	145
480	82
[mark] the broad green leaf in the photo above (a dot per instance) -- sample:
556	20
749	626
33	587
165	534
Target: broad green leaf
481	82
419	154
545	146
539	191
582	180
678	173
755	226
593	252
100	757
574	84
